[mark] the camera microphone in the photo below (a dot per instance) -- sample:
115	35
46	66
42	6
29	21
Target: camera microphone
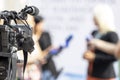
32	10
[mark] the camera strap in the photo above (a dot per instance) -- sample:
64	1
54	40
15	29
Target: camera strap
25	53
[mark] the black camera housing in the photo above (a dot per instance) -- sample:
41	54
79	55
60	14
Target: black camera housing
14	38
7	38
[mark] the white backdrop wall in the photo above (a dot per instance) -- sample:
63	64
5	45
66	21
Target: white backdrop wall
64	17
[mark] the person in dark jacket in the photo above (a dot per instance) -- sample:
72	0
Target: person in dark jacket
49	67
100	62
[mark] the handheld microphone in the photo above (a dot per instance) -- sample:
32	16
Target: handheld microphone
70	37
88	38
61	47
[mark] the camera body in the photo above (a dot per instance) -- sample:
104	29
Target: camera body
7	39
13	37
11	40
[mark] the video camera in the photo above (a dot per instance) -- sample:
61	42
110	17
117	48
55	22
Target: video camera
13	38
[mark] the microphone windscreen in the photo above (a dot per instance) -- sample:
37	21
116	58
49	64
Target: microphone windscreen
35	11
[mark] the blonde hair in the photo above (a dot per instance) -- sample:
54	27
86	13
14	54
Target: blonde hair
105	18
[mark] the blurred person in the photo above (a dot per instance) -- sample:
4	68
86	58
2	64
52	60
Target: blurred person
44	42
36	58
33	69
100	62
49	69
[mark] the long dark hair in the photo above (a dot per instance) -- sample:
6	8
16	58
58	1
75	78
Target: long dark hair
37	20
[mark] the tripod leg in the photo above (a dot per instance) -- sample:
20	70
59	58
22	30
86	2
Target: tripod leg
14	66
